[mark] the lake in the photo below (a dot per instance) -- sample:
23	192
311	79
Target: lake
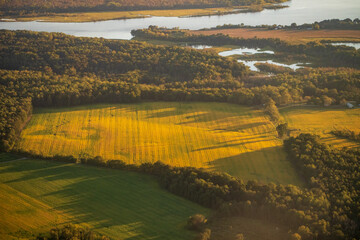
251	64
299	11
252	67
244	51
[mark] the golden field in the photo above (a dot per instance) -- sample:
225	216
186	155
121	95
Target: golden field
292	36
231	138
321	121
217	136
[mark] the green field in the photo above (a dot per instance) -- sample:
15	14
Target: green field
37	195
231	138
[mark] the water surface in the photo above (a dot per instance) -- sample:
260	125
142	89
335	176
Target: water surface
244	51
299	11
354	45
199	47
251	64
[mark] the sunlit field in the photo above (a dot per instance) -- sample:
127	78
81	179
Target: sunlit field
38	195
321	121
231	138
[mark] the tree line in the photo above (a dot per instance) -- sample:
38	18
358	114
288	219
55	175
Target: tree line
345	24
14	113
319	53
315	86
71	232
348	134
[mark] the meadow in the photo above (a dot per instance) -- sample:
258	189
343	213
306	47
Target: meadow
321	121
292	36
37	195
238	140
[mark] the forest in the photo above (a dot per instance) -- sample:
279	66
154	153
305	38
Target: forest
20	7
63	54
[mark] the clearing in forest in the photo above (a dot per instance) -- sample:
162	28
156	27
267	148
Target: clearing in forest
238	140
321	121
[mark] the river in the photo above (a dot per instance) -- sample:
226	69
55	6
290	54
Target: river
299	11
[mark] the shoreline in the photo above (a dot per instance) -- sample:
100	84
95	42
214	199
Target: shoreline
79	17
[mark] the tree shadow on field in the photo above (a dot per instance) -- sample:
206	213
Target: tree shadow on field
49	172
265	165
204	117
241	127
41	110
228	144
193	115
227	122
127	107
310	109
167	113
339	142
123	204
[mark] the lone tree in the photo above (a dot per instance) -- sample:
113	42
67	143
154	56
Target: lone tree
282	130
205	235
272	111
240	236
316	26
196	222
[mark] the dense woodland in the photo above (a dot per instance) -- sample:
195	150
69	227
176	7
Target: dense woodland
44	6
321	54
49	69
346	24
335	172
14	113
111	59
